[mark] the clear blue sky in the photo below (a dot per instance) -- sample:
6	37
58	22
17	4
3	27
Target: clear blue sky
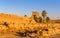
22	7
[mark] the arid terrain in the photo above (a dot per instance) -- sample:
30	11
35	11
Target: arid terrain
13	26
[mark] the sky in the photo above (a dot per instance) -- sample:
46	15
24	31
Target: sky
22	7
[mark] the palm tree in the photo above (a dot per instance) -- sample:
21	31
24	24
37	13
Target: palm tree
44	14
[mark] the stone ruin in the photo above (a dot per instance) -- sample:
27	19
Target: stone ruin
35	14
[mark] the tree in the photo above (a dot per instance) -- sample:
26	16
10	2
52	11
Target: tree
35	18
44	14
40	19
47	19
25	15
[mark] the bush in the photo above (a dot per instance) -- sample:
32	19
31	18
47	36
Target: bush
47	19
25	15
35	18
5	23
40	19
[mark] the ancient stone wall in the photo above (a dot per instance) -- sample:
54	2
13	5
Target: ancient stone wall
35	14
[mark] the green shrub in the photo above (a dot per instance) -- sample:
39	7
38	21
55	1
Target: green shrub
40	19
25	15
35	18
47	19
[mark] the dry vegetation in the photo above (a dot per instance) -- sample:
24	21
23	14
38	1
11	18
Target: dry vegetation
25	27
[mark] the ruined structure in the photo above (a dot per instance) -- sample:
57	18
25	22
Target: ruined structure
35	14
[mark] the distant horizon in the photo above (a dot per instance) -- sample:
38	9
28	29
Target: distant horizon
27	15
22	7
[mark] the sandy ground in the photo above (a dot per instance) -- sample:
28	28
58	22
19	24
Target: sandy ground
55	36
8	35
13	35
21	24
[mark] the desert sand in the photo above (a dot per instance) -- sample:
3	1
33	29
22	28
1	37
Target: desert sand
13	26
